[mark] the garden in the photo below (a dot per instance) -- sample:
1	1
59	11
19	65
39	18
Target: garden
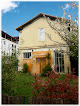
50	85
20	87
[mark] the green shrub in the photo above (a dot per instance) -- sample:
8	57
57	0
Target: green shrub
25	68
8	73
46	69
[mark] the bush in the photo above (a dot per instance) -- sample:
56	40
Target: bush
8	73
45	70
53	88
25	68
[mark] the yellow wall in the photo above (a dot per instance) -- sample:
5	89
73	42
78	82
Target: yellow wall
30	34
33	67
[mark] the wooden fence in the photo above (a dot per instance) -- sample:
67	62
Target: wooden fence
42	100
12	99
35	100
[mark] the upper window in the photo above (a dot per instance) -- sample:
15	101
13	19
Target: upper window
27	55
41	34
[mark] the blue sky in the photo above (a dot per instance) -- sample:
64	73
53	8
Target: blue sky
22	12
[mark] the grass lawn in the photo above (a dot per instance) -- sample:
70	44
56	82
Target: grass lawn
21	87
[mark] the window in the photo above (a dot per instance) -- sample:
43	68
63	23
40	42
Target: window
41	34
37	60
15	48
59	61
4	42
12	45
27	55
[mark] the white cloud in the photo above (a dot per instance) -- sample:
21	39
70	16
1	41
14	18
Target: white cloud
8	5
66	6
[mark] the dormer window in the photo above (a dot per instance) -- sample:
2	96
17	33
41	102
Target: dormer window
41	34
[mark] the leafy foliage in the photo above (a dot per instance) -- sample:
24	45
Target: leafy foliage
68	29
25	68
53	88
45	70
8	73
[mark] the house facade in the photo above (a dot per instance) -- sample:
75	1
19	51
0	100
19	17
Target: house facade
35	46
9	44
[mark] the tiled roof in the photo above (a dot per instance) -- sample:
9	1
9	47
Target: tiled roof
8	36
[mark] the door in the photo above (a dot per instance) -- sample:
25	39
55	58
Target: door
42	64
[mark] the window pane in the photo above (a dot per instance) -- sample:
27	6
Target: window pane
37	61
57	68
59	55
42	34
25	55
56	54
60	59
28	55
63	61
55	61
60	68
62	56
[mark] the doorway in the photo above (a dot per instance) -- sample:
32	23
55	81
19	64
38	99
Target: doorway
42	63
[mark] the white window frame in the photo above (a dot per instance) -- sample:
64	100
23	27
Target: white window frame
60	65
43	35
27	55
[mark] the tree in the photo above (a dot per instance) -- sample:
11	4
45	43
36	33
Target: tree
68	30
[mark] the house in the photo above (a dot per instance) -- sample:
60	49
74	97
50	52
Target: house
9	44
35	46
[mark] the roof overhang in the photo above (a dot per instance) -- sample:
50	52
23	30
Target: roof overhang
34	18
